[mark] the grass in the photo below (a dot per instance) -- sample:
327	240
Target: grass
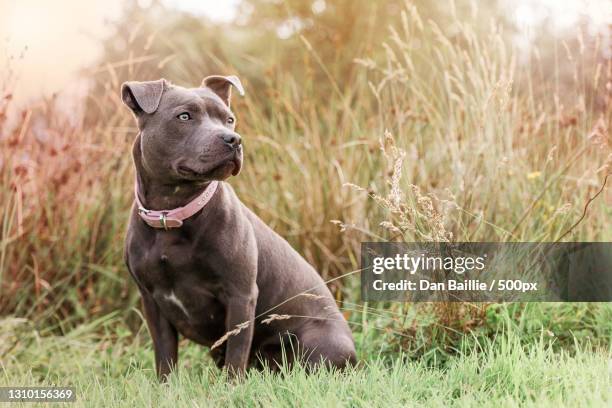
110	367
433	128
529	355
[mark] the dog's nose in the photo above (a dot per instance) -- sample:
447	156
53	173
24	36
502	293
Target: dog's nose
231	139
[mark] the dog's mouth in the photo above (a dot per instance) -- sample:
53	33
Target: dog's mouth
188	171
221	171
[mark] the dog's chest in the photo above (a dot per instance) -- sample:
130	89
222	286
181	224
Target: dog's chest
159	261
176	274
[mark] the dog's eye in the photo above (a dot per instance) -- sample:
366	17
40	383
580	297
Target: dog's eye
184	116
230	120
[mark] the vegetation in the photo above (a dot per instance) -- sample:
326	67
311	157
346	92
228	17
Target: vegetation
110	366
410	123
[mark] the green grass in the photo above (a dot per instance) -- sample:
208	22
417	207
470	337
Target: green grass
121	375
528	361
481	147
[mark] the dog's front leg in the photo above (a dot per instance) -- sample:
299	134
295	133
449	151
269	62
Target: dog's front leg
165	338
240	315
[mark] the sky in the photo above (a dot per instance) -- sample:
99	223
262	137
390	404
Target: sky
218	10
50	40
46	42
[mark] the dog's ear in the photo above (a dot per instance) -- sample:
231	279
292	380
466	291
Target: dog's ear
222	86
142	96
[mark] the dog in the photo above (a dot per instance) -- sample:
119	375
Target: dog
206	266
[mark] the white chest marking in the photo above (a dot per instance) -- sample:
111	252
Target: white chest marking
172	298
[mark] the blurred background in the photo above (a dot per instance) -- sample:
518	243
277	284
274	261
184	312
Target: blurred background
48	46
387	120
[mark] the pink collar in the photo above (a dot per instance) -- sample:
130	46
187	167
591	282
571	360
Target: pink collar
174	218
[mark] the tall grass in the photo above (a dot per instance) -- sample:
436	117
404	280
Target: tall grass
484	149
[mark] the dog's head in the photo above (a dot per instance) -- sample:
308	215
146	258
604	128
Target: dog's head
186	133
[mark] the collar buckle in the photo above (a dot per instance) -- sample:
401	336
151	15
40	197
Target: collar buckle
162	219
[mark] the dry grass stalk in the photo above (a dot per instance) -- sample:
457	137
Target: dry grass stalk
312	296
272	317
239	327
421	215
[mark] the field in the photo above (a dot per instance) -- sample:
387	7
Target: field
430	125
521	365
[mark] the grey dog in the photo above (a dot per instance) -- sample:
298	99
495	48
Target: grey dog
221	270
